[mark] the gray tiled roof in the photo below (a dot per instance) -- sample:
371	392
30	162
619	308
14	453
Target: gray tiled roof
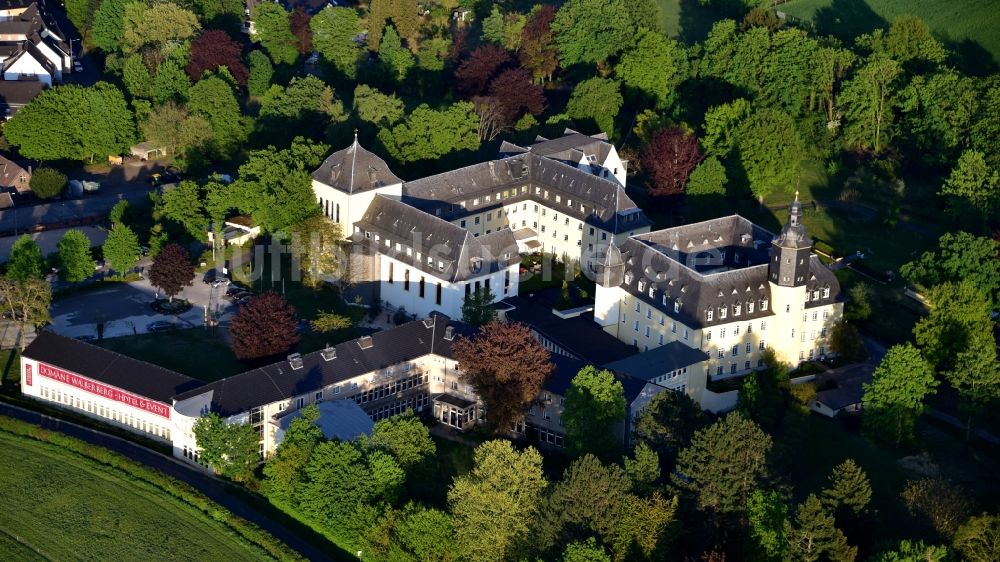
461	254
109	367
278	381
572	146
594	199
354	169
681	277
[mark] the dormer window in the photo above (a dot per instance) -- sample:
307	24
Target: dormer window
808	296
723	312
737	309
652	292
628	278
826	292
763	305
815	295
750	305
709	315
677	305
642	286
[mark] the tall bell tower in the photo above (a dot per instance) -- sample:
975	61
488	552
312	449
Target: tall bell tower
788	273
790	251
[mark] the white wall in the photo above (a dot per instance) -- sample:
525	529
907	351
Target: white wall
96	400
27	67
452	294
352	207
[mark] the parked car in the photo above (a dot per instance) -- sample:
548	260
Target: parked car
236	288
220	282
160	326
210	276
77	66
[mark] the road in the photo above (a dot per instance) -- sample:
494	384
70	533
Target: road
217	490
48	240
63	213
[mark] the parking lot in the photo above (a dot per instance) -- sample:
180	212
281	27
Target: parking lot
125	309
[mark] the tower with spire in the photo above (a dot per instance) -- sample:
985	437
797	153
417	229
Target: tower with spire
347	181
789	266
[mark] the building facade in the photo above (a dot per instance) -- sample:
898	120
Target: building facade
724	286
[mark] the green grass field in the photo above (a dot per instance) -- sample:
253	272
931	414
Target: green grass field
965	25
69	507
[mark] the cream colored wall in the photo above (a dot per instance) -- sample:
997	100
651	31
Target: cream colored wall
563	235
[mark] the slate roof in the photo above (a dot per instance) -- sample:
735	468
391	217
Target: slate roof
278	381
684	271
572	147
658	361
109	367
580	335
461	254
526	177
354	170
15	94
568	367
26	23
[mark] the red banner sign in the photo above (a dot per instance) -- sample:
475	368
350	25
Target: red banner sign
27	375
104	391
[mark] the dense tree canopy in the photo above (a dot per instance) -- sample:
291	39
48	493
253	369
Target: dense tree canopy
75	261
213	49
507	367
493	504
103	124
275	33
894	398
591	31
25	260
333	32
265	326
595	405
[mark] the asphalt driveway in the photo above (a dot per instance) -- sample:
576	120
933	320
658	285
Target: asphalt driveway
125	309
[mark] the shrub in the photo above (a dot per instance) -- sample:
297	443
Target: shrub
47	183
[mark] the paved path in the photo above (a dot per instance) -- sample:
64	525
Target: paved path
48	240
217	490
125	309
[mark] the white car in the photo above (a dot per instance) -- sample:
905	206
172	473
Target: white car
77	66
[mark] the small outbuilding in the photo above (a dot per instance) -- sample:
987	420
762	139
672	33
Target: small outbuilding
148	150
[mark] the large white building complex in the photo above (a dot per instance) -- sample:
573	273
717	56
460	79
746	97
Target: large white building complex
674	309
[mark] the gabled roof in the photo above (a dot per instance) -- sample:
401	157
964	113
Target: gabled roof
573	147
583	195
29	49
446	251
109	367
9	171
354	170
279	381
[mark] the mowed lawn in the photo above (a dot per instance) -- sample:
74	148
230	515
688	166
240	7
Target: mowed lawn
69	508
952	21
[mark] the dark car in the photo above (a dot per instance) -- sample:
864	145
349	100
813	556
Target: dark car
236	288
210	276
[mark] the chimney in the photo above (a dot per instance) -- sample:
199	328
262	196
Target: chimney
328	353
366	342
295	361
449	333
429	321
